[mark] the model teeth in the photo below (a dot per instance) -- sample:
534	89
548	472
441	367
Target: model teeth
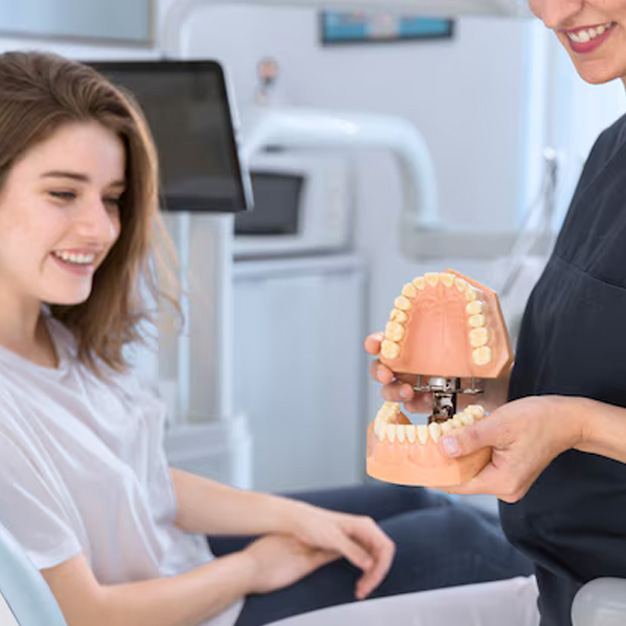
475	309
422	434
587	34
393	426
398	316
76	259
403	303
409	290
478	337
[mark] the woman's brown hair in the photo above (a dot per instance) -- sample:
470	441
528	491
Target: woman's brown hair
39	92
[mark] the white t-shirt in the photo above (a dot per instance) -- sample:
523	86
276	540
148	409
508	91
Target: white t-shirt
82	470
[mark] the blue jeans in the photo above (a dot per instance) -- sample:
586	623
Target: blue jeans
440	542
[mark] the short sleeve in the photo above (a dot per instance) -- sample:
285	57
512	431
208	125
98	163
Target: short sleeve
31	507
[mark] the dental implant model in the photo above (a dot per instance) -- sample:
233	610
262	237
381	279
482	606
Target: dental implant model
449	331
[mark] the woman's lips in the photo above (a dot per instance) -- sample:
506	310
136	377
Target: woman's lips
591	45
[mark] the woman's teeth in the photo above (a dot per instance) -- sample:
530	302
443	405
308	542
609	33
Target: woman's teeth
77	259
587	34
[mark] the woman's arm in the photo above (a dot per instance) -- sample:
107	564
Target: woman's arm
183	600
269	563
209	507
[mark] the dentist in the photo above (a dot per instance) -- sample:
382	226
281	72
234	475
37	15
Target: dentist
559	445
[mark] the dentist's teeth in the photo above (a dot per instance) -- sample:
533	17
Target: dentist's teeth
585	35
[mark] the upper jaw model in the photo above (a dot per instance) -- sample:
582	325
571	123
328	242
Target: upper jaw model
449	331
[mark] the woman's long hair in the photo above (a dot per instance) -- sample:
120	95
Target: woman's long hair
40	92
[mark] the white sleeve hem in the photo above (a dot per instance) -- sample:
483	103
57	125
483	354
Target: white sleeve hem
64	552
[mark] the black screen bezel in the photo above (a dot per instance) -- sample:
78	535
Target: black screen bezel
193	204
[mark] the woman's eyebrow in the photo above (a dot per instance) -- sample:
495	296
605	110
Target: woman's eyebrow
83	178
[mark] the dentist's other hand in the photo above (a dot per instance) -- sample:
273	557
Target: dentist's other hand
396	388
357	538
525	435
399	388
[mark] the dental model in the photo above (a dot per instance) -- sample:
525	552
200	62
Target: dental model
446	329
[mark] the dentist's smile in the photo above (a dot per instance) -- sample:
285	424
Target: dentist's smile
587	39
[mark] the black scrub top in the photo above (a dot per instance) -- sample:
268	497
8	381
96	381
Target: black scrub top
572	522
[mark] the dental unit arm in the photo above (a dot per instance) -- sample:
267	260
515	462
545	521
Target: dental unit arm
303	128
446	331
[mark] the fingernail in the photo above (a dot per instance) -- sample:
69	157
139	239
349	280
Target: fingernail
405	393
451	446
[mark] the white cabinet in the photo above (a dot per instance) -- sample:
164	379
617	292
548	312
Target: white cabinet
300	369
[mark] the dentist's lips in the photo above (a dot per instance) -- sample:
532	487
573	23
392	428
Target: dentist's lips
593	44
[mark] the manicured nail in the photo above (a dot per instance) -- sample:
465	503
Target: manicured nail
451	446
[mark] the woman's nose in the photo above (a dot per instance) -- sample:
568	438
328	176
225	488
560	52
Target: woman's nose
558	13
97	222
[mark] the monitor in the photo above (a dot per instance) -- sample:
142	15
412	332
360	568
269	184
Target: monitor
187	107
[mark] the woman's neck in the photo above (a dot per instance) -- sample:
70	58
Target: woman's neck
25	333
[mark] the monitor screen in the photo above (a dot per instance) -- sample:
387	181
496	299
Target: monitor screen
186	105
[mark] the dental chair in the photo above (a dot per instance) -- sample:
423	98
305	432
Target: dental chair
25	598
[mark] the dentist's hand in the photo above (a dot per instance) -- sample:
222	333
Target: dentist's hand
399	388
396	388
525	436
357	538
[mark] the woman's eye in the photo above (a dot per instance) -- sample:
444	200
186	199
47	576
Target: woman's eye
63	195
114	202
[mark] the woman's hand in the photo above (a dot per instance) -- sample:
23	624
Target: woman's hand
399	388
278	561
358	538
525	436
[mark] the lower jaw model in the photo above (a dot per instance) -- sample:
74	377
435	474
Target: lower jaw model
447	330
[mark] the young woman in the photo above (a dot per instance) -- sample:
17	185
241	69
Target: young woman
559	446
85	487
